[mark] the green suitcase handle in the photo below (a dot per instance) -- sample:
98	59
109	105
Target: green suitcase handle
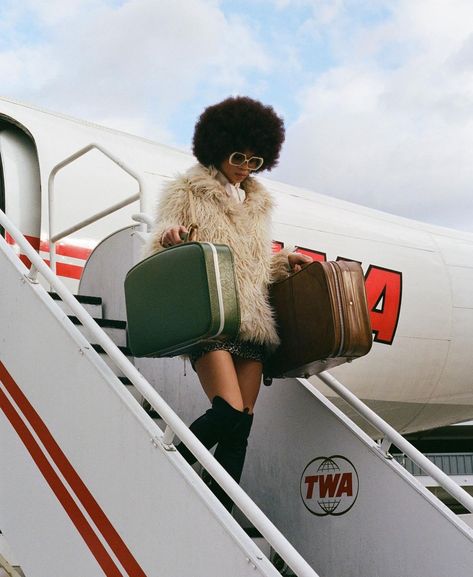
191	235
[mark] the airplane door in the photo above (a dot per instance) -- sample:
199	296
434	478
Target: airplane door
20	186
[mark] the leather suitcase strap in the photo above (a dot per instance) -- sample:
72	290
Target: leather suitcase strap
336	298
355	326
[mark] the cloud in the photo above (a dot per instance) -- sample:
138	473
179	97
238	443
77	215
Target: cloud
391	125
102	59
378	94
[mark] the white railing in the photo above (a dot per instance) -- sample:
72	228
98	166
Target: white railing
54	238
8	569
453	464
391	436
174	424
144	219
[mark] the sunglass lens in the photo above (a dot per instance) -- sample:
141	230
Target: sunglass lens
237	158
255	162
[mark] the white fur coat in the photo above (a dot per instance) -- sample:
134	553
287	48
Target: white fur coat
244	227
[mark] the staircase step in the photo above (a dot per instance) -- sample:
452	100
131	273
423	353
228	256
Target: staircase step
139	397
93	305
125	350
149	410
116	330
131	388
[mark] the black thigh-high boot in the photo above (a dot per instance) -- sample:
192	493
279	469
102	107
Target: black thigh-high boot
211	426
230	453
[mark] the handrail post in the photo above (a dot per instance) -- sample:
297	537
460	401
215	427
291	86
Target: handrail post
98	216
145	221
385	445
168	439
32	276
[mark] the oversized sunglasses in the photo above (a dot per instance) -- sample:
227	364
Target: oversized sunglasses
239	159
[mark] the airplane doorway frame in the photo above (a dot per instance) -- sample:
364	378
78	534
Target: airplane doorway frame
2	193
27	159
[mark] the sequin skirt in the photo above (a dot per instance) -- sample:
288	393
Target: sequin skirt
237	348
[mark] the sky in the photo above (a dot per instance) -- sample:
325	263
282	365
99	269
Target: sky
377	95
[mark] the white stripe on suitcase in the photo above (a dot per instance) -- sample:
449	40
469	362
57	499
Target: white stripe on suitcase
219	296
219	289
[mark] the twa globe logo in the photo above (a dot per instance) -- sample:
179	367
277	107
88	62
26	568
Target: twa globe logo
329	486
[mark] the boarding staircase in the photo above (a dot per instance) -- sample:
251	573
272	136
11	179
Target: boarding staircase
91	485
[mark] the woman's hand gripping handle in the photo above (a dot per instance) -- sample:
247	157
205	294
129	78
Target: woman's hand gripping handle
173	235
297	260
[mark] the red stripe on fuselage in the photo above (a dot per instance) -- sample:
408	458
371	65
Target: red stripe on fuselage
68	250
87	500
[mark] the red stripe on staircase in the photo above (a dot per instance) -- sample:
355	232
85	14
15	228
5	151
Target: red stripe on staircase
59	489
86	498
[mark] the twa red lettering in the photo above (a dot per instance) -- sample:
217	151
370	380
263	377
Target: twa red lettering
310	481
315	254
328	484
346	485
383	293
333	485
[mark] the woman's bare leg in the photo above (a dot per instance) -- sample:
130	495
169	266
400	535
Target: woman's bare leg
235	379
218	377
249	375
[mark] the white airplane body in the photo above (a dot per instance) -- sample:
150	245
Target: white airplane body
418	276
92	486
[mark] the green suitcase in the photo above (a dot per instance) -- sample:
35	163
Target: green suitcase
181	297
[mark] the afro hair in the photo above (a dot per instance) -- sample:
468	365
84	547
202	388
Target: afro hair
238	124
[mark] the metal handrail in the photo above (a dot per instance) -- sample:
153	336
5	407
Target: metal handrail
272	535
452	464
95	217
99	215
9	569
144	218
395	438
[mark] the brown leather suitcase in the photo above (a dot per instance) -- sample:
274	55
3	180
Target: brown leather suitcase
322	317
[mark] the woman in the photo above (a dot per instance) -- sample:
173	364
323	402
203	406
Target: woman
231	140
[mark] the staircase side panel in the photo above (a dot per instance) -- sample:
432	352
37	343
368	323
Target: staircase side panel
106	269
145	507
385	525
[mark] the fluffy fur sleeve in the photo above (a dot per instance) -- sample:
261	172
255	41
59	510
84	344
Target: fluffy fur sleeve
172	210
279	265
